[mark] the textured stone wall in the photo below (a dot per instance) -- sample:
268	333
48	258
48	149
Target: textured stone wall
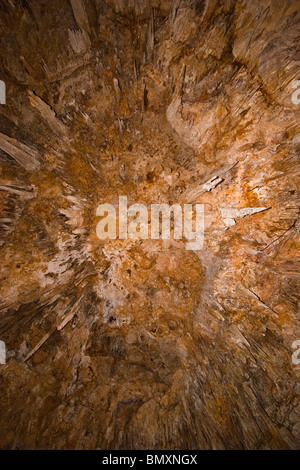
142	344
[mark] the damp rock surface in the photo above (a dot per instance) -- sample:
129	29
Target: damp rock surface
143	344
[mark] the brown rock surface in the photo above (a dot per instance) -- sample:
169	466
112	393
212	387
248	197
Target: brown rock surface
144	344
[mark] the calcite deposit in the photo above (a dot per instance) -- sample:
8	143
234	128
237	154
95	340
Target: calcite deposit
141	343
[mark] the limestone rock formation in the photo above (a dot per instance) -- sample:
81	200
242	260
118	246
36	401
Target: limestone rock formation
142	344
